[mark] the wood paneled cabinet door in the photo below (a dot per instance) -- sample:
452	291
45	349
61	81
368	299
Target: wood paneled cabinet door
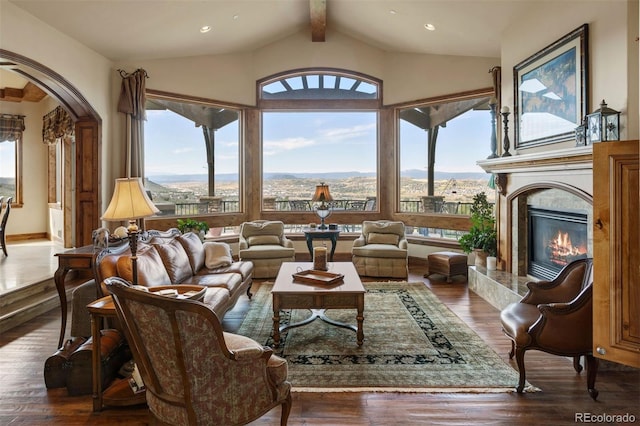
616	252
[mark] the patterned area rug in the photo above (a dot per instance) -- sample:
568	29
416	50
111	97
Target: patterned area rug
413	343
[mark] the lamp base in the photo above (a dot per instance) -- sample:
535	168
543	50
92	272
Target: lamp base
322	225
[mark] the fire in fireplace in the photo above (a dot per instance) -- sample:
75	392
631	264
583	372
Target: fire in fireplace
556	238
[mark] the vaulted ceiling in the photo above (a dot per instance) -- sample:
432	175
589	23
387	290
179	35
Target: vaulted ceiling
122	30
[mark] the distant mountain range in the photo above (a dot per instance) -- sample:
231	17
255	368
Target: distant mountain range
412	173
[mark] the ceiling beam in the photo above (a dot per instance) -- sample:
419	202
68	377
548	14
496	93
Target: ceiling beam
318	15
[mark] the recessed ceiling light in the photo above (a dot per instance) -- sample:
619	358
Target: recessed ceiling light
393	12
236	16
430	27
205	29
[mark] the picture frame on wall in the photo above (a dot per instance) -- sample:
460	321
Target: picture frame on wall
550	91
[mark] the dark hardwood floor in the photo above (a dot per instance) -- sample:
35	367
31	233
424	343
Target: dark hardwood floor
24	399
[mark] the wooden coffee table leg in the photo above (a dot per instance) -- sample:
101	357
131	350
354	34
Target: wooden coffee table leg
360	319
276	320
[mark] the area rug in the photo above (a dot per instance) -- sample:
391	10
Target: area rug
413	343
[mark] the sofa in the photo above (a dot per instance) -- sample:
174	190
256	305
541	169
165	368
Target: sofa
381	250
263	242
174	258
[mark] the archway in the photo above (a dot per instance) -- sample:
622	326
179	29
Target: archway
88	124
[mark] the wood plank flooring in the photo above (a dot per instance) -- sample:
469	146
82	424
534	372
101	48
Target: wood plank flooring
24	399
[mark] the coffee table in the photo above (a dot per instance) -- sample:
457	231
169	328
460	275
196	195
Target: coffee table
348	294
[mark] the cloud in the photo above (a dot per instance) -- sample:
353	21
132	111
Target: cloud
342	133
182	150
272	147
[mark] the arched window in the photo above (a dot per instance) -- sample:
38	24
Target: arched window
319	126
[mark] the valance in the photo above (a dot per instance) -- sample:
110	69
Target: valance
11	127
56	125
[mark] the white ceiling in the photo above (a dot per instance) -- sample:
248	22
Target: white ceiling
150	29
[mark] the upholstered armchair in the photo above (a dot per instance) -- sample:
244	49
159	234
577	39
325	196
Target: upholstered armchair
263	242
555	317
381	250
194	373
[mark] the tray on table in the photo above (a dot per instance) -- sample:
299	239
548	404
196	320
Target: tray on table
314	276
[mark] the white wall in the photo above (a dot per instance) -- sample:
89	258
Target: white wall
90	73
232	78
33	215
610	65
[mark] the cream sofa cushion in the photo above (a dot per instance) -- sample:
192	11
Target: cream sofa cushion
378	238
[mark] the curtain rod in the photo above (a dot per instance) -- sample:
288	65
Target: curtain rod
125	74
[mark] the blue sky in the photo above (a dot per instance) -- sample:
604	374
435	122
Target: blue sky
7	162
313	142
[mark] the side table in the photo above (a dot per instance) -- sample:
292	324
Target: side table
119	393
322	234
82	259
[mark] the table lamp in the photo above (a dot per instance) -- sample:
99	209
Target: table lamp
322	194
130	202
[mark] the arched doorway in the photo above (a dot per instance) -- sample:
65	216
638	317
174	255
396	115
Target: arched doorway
84	216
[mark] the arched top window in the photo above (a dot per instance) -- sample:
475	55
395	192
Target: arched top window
303	87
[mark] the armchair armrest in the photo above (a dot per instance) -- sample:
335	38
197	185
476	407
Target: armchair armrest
359	242
403	243
286	242
251	352
566	326
242	243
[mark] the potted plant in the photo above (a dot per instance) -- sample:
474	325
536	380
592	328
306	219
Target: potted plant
482	237
192	225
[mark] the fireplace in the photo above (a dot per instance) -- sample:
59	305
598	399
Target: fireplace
555	238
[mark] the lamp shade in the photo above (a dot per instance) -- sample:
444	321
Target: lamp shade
129	201
322	193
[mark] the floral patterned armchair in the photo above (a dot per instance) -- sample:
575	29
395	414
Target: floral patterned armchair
194	373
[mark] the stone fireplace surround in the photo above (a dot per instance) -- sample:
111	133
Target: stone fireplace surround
551	178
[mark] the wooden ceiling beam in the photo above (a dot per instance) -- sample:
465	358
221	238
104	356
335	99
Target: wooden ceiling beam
30	93
11	94
318	15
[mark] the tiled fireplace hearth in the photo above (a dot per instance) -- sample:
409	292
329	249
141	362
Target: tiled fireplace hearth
538	189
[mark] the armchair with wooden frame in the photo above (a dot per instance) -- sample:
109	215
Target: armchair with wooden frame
555	317
194	373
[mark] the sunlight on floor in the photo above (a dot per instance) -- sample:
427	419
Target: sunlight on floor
28	262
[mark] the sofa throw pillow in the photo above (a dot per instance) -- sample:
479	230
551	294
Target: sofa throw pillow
378	238
256	240
217	255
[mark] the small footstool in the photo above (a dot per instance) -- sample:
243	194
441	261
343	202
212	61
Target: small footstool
447	263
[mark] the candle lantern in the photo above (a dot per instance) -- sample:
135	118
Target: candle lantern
603	124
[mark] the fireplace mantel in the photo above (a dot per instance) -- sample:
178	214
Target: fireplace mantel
555	160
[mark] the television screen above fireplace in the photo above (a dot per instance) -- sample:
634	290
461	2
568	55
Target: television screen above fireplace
555	239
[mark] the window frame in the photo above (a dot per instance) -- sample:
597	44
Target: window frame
17	200
320	105
169	220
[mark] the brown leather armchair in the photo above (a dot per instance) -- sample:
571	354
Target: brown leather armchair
194	373
555	317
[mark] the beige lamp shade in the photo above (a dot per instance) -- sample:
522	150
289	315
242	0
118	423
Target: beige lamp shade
129	201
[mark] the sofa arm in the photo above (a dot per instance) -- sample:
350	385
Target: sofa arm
242	243
403	243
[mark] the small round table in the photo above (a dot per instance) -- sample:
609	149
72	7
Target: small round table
321	234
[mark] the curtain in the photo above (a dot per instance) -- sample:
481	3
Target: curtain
496	77
132	103
56	125
11	127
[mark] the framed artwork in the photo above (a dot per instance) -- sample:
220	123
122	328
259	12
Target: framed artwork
550	91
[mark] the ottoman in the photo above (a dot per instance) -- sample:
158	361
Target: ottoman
447	263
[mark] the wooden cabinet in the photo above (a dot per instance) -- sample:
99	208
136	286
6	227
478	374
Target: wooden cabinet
616	252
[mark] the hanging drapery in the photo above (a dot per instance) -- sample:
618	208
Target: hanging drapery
11	127
496	76
56	125
132	104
